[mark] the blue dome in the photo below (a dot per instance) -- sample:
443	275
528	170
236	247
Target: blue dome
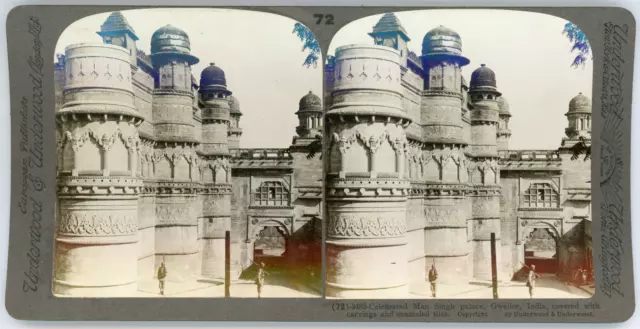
483	79
213	78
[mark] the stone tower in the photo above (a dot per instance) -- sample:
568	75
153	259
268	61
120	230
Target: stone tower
441	157
175	161
310	116
98	143
504	133
366	254
117	31
390	33
483	171
235	132
216	173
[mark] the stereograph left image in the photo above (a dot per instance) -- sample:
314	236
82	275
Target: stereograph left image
188	157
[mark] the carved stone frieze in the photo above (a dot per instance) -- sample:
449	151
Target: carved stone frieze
366	226
83	185
103	223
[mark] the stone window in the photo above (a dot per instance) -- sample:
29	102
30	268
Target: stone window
540	195
271	194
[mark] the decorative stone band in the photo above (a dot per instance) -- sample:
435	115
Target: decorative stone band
218	188
171	186
367	187
98	185
91	111
446	93
169	91
99	224
481	190
365	226
174	214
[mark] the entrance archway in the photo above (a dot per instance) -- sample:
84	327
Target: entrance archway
539	244
541	249
270	241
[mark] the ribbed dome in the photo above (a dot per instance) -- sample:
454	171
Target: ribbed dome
170	40
310	102
483	79
235	105
503	106
580	103
441	40
212	78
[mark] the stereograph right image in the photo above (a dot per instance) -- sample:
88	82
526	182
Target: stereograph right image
458	157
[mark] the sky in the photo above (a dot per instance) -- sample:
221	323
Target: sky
260	55
527	51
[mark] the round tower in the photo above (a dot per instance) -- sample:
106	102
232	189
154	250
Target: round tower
441	161
216	172
484	173
504	133
366	254
175	162
310	116
96	242
235	132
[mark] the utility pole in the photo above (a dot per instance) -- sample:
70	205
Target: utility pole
494	267
227	263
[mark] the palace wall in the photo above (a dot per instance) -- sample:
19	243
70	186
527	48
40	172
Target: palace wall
175	201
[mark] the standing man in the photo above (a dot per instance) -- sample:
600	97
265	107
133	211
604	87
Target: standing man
260	279
162	274
531	280
433	276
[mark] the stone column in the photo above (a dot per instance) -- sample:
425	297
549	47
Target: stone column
366	241
96	251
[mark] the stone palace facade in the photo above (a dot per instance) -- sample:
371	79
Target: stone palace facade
150	170
419	171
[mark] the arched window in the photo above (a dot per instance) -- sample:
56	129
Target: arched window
540	195
271	193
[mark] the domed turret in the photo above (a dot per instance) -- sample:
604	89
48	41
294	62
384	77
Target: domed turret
170	40
443	42
213	78
503	106
580	103
310	116
579	119
310	102
483	79
234	104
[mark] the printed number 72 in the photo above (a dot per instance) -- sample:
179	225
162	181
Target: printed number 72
328	18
